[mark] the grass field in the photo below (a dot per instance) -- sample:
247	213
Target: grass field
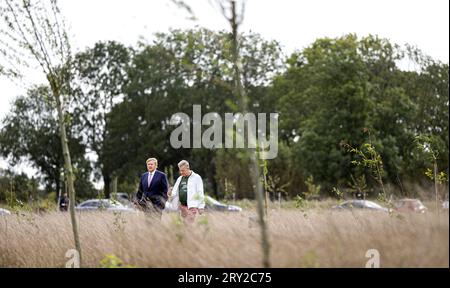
311	238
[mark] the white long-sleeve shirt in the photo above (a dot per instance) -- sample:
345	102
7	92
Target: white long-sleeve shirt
195	193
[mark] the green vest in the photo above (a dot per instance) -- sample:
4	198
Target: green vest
183	190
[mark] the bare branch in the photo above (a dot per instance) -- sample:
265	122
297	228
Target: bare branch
26	42
241	16
181	4
58	29
47	58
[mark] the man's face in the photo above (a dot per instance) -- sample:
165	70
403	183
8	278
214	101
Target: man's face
151	166
184	171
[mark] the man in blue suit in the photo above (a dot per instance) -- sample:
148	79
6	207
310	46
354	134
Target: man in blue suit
152	191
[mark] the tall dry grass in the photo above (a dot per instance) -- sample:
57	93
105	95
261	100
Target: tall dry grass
317	238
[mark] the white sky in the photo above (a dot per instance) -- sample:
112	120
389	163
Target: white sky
294	23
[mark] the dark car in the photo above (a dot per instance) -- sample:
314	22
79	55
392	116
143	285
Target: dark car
361	204
103	204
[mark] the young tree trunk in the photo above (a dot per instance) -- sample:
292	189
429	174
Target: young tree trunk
68	168
37	29
254	167
107	184
58	192
436	186
266	194
114	188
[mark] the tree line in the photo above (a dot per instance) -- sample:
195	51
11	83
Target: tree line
335	93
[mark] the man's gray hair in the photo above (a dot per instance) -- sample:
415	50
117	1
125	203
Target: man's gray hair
183	163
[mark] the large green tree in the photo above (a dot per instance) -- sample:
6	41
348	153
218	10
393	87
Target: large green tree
30	133
352	91
324	101
99	77
178	70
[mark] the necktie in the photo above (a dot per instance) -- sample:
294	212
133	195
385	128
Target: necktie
150	177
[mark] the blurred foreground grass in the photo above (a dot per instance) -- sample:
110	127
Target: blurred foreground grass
312	237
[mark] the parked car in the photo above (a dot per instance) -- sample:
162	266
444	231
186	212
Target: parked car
103	204
445	205
410	205
4	212
124	199
214	205
361	204
211	204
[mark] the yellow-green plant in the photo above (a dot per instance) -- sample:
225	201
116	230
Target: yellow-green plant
301	204
339	194
313	190
369	158
426	144
112	261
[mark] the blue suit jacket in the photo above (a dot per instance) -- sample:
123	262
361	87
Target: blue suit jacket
157	192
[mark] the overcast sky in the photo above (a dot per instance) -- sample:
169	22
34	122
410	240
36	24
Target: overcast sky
294	23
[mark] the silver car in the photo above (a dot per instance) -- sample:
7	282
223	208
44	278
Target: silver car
409	205
4	212
123	198
361	204
103	204
211	204
214	205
